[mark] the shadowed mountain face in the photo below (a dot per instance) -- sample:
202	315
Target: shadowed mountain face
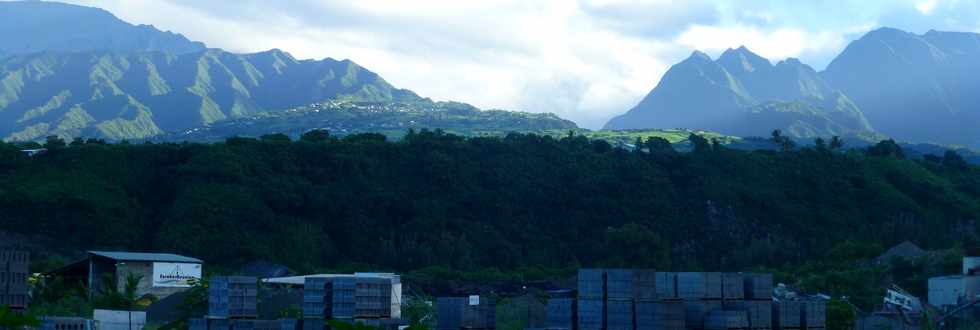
922	88
141	94
919	88
744	94
35	26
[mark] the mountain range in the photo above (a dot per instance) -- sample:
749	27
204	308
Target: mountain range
918	88
77	71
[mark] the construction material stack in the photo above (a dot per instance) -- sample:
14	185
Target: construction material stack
13	279
560	313
702	294
815	314
472	313
757	294
66	323
788	315
591	296
657	305
368	298
619	299
232	302
314	303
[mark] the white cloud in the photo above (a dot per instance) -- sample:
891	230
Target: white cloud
774	44
926	7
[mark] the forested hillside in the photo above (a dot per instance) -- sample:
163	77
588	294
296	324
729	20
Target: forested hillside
511	203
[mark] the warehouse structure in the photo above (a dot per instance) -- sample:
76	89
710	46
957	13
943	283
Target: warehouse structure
949	292
161	274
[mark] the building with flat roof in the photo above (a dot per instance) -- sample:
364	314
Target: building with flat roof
161	274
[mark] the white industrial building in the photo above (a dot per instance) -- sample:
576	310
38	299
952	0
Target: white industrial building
955	290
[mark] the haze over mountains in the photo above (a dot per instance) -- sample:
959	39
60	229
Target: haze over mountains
78	71
906	86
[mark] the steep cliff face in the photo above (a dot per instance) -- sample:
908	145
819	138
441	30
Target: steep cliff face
743	93
919	88
141	94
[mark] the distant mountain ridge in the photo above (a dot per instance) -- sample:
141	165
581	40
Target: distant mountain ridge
742	93
76	71
917	88
41	26
141	94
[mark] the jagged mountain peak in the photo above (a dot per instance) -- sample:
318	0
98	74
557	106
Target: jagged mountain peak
743	59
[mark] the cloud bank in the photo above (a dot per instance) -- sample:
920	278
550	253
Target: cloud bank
586	60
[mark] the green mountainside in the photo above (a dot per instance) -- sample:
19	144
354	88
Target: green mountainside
518	207
142	94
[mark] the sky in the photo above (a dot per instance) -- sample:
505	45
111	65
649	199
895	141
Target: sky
585	60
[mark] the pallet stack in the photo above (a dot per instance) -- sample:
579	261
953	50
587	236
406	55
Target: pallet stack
232	303
702	294
473	313
758	302
560	313
815	315
13	279
788	315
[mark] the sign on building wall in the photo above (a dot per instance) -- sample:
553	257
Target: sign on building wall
179	275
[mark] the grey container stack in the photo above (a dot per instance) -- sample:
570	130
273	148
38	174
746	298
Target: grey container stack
219	324
454	313
724	320
289	324
313	324
590	314
732	286
340	299
314	293
482	315
373	298
666	285
619	284
197	324
449	313
591	284
233	297
697	310
814	314
759	312
758	286
561	314
696	286
788	314
619	315
660	315
645	285
66	323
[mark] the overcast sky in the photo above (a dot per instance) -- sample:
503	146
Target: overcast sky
586	60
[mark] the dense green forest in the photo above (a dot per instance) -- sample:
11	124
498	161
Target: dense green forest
436	204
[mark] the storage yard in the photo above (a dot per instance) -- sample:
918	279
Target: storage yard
643	299
598	299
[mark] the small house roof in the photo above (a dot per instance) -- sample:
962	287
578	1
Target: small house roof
140	256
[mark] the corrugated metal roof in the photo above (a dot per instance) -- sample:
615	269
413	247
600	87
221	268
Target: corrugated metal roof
140	256
300	280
